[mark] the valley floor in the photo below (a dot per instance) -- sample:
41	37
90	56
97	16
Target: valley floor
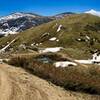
17	84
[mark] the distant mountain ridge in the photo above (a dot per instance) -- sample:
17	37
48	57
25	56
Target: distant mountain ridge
18	22
16	15
21	21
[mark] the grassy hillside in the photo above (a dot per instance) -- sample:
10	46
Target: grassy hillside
79	34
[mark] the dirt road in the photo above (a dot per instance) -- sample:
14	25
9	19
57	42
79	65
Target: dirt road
17	84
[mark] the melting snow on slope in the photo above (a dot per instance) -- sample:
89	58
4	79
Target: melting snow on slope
59	28
96	57
57	40
53	39
7	32
88	37
53	50
64	64
69	63
12	30
84	61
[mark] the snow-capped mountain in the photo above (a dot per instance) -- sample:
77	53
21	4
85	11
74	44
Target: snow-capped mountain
15	16
93	12
18	22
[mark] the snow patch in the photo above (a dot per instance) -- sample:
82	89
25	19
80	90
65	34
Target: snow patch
33	44
84	61
53	50
57	40
53	39
37	44
6	24
6	32
59	28
88	37
68	63
64	64
45	34
79	39
40	43
96	58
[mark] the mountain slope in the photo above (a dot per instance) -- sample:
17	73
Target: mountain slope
78	34
18	22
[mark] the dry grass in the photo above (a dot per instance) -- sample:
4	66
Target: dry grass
72	78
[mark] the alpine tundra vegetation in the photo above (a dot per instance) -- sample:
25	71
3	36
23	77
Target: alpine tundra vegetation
50	50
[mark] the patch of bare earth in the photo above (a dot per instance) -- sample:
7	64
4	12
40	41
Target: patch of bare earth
17	84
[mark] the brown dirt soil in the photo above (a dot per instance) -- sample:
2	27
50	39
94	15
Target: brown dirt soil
17	84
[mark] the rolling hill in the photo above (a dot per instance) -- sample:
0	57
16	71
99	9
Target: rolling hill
78	34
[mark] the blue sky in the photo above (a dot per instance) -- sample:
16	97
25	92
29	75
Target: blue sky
47	7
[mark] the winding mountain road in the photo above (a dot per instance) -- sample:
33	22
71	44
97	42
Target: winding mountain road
17	84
